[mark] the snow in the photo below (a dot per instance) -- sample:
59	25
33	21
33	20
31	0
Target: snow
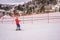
30	32
38	30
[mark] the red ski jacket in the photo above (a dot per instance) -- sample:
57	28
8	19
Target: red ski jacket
17	21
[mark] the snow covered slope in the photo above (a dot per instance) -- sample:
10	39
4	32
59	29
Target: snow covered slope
30	32
39	30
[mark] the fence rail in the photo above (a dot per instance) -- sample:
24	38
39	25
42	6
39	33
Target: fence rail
31	19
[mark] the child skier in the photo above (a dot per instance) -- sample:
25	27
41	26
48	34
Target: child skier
17	23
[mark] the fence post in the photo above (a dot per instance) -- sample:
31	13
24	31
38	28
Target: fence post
32	18
48	17
2	20
23	19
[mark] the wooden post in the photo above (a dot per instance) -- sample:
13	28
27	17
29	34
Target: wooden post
48	17
23	19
